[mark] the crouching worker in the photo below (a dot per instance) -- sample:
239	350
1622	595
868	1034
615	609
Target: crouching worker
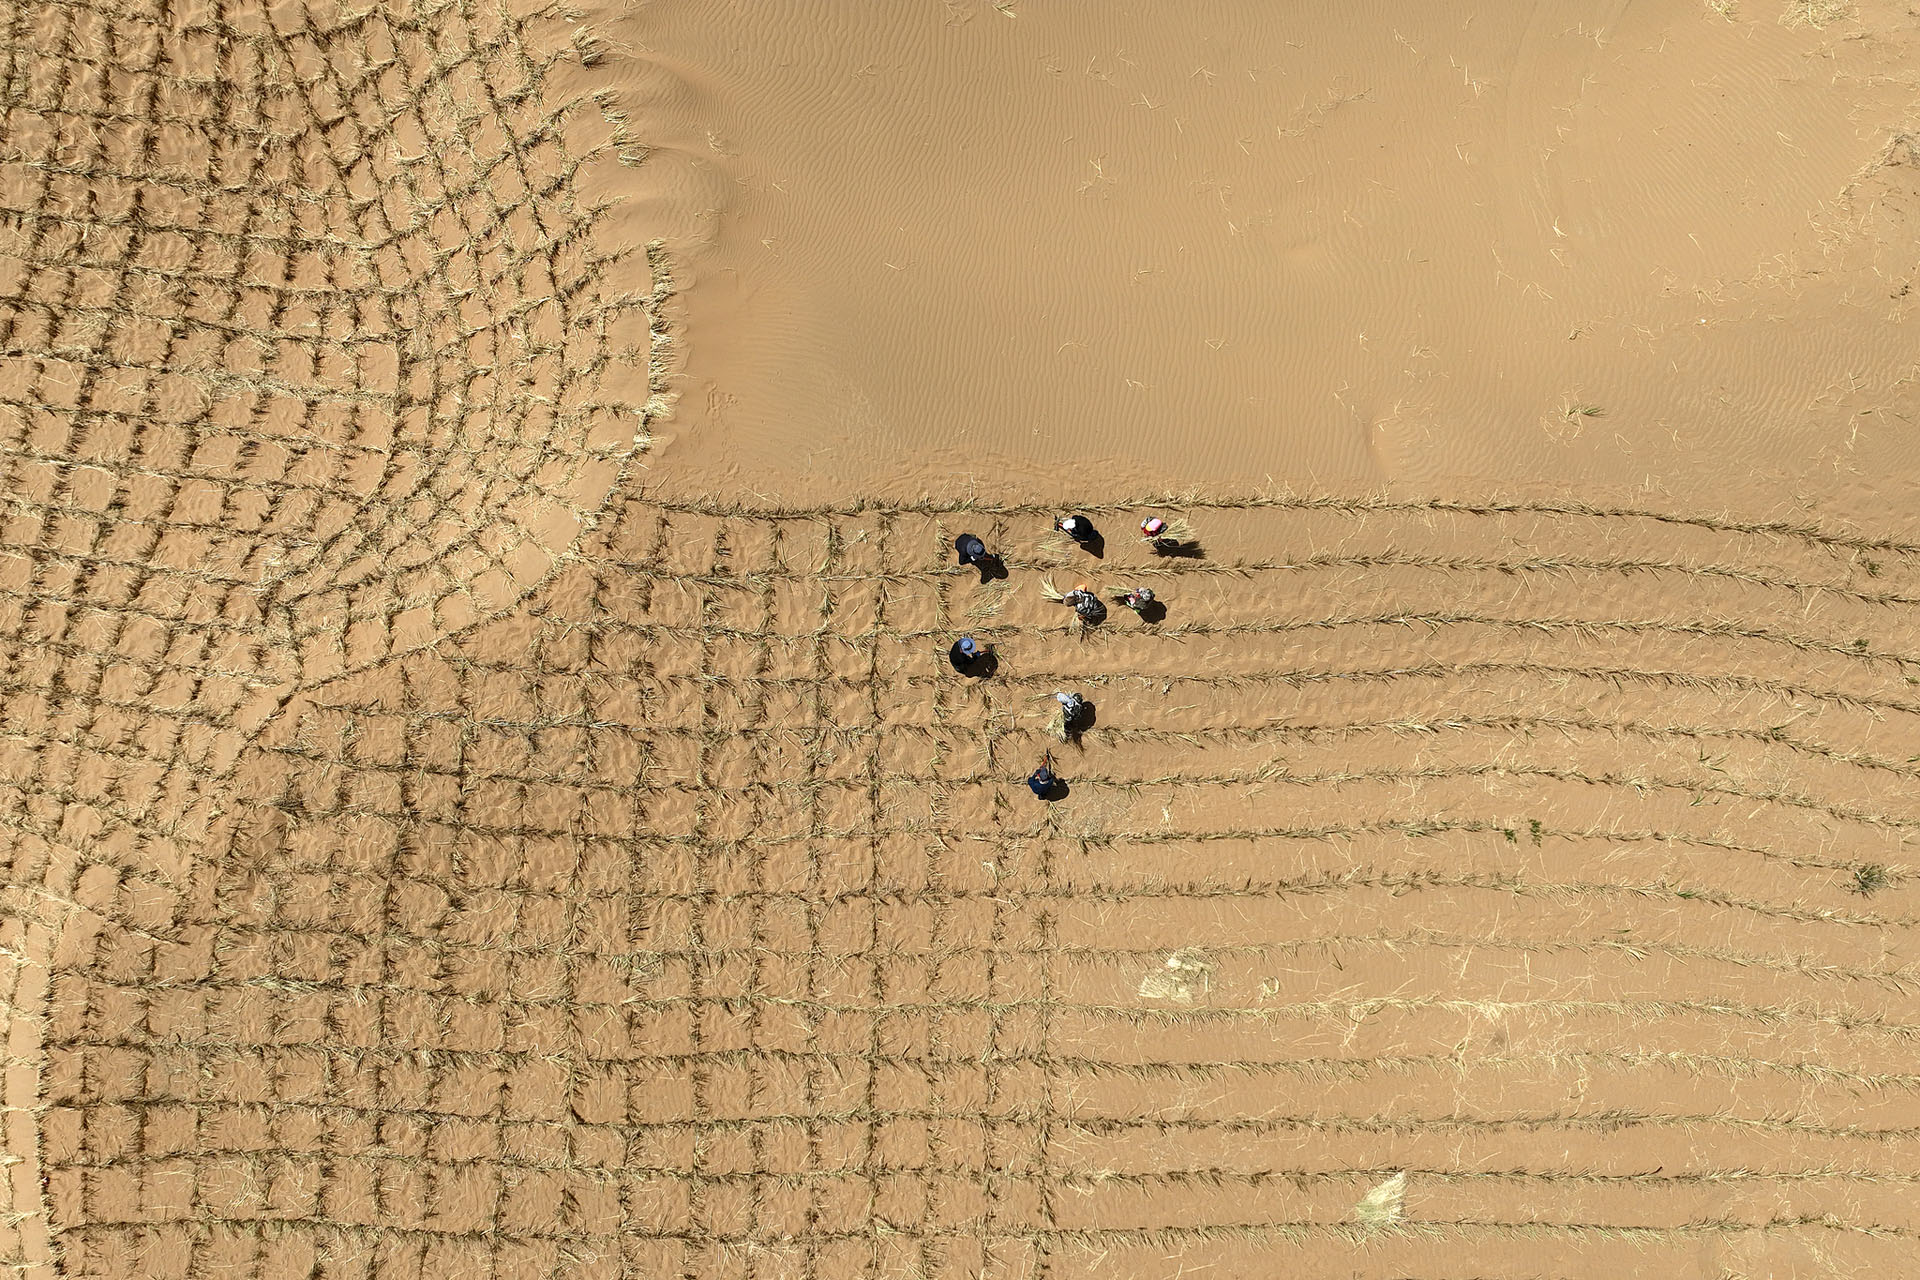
1168	537
1042	781
1086	605
1079	528
1140	600
969	656
1075	715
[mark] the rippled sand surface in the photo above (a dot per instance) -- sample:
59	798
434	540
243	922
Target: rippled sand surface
1397	244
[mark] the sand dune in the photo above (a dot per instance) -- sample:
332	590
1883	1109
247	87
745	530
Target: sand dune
1428	246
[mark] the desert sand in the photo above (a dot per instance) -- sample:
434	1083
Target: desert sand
482	785
1041	248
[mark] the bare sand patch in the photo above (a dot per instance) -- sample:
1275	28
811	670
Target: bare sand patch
1019	247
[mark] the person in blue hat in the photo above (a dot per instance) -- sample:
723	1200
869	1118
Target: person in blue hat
973	553
967	655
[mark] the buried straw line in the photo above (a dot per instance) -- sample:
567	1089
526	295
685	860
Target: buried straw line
644	965
1156	887
1396	559
284	1226
1389	559
1304	1179
1435	619
1254	1232
1612	1120
1306	886
1775	736
1420	827
1329	833
1514	723
1431	619
1083	1124
1154	890
1324	1069
1507	883
1797	1013
1079	1180
1273	771
1276	772
1903	978
1353	1010
1727	682
1458	1063
1786	530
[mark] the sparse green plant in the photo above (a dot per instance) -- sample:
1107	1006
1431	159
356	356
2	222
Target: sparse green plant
1869	878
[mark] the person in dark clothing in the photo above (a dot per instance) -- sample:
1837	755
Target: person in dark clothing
1042	781
969	656
1077	527
1076	713
974	554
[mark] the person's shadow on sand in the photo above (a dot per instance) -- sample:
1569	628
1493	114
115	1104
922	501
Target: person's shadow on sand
978	667
992	568
1084	535
1153	612
1082	721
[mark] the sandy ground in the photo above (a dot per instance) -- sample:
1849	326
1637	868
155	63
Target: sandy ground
1068	247
483	790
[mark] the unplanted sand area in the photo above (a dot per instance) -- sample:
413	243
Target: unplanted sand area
484	790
